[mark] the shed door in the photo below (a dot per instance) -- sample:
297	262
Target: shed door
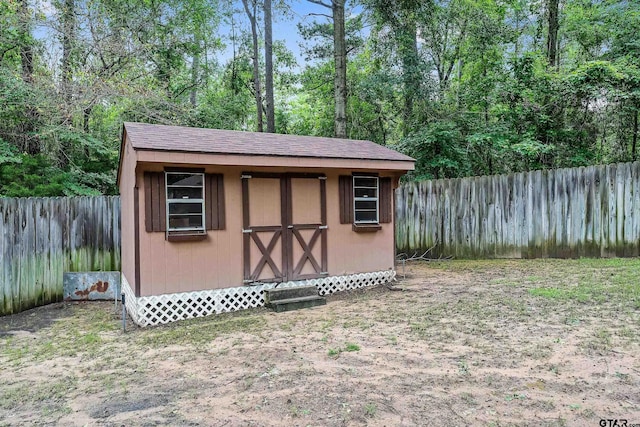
306	227
284	227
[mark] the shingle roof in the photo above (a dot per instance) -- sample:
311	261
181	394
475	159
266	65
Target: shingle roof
198	140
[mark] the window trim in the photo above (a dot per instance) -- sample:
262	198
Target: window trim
185	231
361	223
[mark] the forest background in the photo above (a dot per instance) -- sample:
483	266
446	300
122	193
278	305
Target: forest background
467	87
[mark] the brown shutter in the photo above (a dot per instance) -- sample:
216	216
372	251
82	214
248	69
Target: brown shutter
214	201
345	185
155	206
386	200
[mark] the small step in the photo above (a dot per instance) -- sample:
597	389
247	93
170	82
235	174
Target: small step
297	303
277	294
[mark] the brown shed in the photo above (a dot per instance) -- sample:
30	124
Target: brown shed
213	218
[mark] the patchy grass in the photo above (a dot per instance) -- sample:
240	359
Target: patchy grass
351	347
47	398
535	342
348	347
370	410
203	330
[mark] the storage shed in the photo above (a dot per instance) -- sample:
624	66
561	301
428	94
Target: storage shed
213	218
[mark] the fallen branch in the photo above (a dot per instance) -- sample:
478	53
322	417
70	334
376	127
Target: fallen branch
423	257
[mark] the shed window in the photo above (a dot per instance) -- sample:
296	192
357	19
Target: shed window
185	201
365	199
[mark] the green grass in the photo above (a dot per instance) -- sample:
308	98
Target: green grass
349	347
594	288
463	367
333	352
421	329
600	342
370	410
81	333
89	333
587	281
551	293
50	396
515	396
518	310
203	330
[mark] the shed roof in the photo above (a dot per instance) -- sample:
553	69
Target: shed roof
198	140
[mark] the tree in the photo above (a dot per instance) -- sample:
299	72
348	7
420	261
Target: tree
340	65
251	14
68	16
552	32
268	66
26	47
465	86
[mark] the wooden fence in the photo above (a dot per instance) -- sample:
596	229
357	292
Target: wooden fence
40	238
564	213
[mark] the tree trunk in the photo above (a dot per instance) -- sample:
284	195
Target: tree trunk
256	63
26	48
29	141
340	80
195	66
86	116
268	65
552	36
68	42
408	41
634	141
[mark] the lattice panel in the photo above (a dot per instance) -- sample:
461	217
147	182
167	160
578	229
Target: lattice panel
354	281
161	309
130	300
167	308
329	285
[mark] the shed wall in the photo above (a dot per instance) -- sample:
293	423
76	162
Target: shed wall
214	263
127	218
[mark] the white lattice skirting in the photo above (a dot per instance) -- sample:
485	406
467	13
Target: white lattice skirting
159	309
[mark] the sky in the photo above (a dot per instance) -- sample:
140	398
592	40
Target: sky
284	27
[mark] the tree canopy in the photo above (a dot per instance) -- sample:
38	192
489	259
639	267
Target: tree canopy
467	87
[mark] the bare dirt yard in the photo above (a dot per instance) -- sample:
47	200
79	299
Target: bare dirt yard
478	343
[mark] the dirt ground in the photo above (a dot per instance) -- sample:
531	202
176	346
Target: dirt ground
490	343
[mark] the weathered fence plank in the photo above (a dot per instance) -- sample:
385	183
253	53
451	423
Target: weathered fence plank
563	213
41	238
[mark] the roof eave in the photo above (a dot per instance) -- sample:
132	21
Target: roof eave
264	160
223	153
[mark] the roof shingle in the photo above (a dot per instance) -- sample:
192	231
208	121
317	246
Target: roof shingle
198	140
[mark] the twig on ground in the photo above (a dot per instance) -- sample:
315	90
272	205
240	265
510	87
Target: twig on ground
423	257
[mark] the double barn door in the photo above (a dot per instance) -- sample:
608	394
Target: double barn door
284	226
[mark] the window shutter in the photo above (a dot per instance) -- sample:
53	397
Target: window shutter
345	185
386	200
214	202
155	206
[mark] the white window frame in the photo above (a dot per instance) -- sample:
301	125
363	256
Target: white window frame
192	201
366	199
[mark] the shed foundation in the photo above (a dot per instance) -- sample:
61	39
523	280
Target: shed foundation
166	308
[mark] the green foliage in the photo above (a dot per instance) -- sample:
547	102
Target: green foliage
463	86
35	176
437	149
8	154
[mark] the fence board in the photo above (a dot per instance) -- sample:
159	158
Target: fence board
40	238
563	213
